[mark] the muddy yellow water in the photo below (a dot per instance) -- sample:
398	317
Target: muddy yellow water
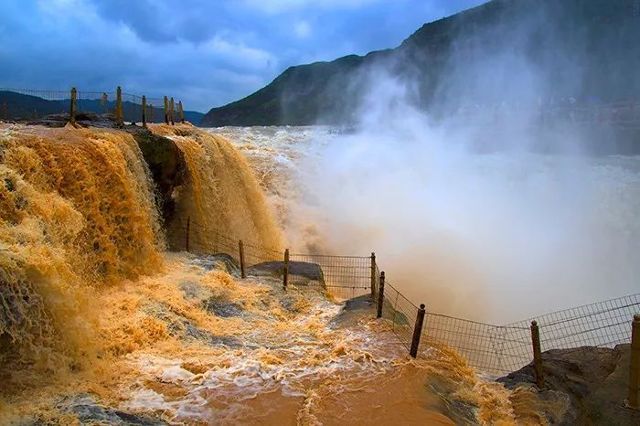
95	311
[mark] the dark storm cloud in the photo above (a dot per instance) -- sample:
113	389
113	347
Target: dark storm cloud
206	52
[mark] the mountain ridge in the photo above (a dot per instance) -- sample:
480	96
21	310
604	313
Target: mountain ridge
593	37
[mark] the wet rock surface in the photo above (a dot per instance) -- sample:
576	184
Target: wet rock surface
593	380
219	261
302	272
166	163
222	308
89	412
353	310
185	329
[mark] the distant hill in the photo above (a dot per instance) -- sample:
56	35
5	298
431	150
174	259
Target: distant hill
18	106
588	50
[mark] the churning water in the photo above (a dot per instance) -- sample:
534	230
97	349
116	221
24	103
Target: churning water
493	235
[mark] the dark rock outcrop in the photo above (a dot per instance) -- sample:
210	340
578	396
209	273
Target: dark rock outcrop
593	379
166	163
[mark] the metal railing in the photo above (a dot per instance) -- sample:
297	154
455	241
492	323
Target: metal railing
76	103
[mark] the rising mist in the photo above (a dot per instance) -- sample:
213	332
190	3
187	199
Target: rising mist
474	204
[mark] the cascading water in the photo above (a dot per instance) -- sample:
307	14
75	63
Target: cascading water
95	313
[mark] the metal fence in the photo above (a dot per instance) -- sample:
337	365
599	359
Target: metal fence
344	277
30	104
493	349
500	349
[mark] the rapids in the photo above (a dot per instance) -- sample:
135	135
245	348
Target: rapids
99	320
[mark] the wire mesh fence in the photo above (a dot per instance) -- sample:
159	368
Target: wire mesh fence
344	277
603	324
493	349
401	312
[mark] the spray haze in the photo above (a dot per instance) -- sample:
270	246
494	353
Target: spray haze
474	205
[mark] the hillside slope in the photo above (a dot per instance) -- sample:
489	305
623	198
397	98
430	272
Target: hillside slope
584	49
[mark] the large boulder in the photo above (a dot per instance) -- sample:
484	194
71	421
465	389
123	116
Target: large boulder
595	381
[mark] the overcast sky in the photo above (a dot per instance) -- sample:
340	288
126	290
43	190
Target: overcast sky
205	52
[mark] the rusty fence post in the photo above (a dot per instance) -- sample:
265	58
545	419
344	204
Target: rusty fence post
74	106
171	110
144	111
186	237
241	249
285	270
373	275
181	112
166	110
417	332
633	399
380	296
537	353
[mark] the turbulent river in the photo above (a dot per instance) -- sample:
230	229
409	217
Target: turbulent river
495	236
104	317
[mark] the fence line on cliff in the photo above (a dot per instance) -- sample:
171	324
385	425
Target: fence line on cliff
494	349
75	104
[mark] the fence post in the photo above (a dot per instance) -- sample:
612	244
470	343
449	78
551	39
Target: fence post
285	272
144	111
633	400
171	110
417	332
74	106
380	295
166	110
537	353
373	275
186	237
181	112
241	247
119	117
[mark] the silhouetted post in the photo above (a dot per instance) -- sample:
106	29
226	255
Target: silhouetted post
186	237
119	116
166	110
537	353
285	271
380	295
144	111
417	332
181	112
171	111
373	275
74	106
633	400
241	248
